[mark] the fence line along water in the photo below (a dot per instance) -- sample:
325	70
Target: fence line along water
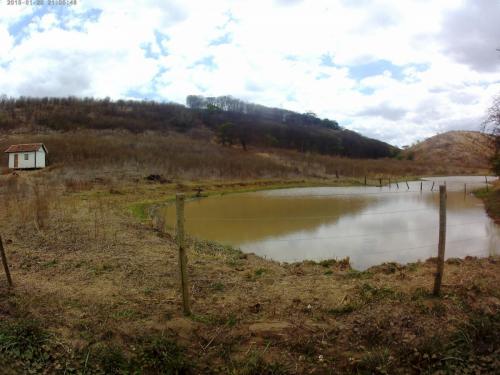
440	228
296	224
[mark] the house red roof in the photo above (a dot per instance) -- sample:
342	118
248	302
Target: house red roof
27	147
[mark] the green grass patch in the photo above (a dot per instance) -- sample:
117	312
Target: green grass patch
369	293
259	272
108	359
254	364
25	343
49	264
140	210
218	287
377	361
353	274
215	248
491	199
125	314
343	309
162	355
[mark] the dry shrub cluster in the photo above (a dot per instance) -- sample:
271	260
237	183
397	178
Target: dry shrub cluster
323	165
37	210
123	154
27	202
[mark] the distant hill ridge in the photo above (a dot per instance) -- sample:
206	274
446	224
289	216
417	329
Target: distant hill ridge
458	148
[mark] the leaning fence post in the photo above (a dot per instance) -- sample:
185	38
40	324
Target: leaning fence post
179	204
442	240
4	262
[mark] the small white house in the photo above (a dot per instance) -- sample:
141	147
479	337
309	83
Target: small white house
27	156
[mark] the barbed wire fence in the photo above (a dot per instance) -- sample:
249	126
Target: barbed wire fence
158	216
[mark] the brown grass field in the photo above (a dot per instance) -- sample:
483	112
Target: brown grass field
96	287
454	148
122	156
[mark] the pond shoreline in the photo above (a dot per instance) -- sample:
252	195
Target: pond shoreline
240	213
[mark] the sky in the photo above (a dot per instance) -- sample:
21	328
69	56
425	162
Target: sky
395	70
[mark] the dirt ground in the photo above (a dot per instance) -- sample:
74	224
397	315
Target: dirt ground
96	290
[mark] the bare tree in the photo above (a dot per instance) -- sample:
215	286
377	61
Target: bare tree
492	126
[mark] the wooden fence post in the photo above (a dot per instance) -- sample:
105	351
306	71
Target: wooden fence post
5	264
421	185
432	187
442	240
380	180
407	186
179	204
365	180
486	182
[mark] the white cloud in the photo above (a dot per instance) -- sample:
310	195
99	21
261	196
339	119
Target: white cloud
270	53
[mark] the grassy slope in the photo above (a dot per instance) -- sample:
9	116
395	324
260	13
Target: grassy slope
97	292
466	148
282	129
491	199
120	155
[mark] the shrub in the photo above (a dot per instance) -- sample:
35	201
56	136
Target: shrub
163	356
25	342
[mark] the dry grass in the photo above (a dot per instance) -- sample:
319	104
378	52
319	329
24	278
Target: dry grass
105	287
459	148
94	157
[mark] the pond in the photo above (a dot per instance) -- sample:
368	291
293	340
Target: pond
370	225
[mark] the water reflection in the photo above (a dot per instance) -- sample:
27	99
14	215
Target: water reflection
371	225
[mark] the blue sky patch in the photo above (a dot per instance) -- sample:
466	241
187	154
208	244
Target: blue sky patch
322	76
19	30
375	68
378	67
327	60
224	39
207	61
160	38
366	90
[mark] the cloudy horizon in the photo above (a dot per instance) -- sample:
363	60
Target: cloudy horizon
399	71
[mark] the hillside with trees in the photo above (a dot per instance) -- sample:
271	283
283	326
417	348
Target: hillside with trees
231	122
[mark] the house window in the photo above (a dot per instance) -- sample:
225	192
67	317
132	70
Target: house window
26	156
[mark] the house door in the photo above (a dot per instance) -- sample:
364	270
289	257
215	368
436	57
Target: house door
16	161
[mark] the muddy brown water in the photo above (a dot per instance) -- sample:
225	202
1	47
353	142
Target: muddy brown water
370	225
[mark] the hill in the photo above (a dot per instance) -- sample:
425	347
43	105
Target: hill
458	148
255	126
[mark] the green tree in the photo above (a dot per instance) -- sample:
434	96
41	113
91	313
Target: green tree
225	133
